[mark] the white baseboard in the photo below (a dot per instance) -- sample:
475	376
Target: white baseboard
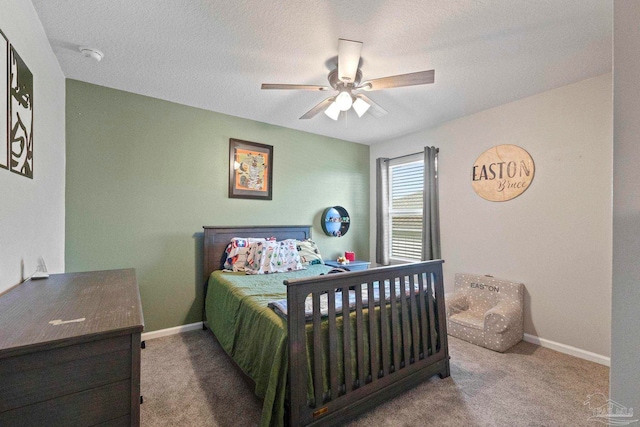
171	331
562	348
567	349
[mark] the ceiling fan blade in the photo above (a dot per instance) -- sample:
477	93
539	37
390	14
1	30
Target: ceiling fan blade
295	87
411	79
348	59
375	109
318	108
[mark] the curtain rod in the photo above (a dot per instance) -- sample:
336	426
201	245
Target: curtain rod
407	155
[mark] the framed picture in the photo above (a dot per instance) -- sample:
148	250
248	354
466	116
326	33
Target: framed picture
4	102
250	170
21	116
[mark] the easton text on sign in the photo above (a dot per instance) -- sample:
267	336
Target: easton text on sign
502	173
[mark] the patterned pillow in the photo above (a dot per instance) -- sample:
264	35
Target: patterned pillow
309	253
273	257
237	251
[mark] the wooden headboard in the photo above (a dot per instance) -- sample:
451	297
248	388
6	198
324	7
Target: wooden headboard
216	240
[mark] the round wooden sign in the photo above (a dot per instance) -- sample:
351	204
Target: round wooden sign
502	173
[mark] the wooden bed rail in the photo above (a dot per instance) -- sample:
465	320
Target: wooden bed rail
398	344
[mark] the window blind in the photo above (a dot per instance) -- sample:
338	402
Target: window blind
405	210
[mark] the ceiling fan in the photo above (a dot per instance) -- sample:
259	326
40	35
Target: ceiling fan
347	80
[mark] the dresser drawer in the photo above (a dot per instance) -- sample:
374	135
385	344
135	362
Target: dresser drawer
21	388
33	359
109	405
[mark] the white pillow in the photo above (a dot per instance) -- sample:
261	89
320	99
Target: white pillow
273	257
309	253
237	250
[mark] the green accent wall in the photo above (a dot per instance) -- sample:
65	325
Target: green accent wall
144	175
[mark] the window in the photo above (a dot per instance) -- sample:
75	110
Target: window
405	209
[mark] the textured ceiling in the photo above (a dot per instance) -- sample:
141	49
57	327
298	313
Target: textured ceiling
215	54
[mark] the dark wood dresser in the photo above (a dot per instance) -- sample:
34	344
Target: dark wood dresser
70	351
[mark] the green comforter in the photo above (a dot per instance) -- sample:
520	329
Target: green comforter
253	334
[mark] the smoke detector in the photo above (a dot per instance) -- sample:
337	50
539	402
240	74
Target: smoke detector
90	52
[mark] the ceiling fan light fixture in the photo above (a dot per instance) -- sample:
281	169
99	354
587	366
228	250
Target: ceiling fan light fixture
333	111
346	80
360	106
344	101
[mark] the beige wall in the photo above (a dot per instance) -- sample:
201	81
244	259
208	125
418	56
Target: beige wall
625	339
32	210
556	237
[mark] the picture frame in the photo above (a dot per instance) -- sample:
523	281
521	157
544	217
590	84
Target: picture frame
250	170
4	100
21	115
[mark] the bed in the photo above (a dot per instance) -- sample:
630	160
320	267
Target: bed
343	344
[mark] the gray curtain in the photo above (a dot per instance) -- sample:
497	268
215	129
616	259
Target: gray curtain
430	206
382	211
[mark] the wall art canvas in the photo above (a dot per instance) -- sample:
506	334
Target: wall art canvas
21	116
4	102
250	170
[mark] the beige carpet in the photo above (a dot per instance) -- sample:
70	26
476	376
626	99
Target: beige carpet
187	380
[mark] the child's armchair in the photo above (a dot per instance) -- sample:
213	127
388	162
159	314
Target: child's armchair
486	311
